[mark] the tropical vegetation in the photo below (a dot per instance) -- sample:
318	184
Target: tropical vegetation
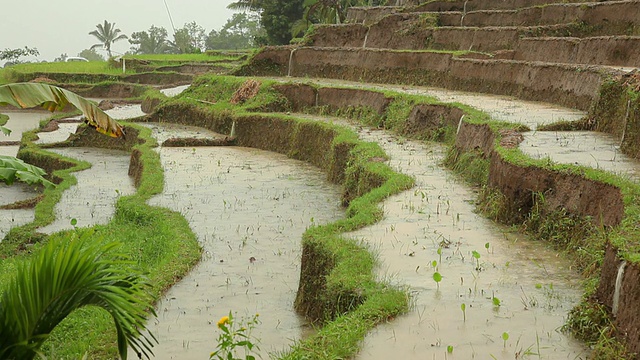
26	95
67	274
107	34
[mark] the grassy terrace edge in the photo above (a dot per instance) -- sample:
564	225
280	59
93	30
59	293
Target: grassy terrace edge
350	303
159	241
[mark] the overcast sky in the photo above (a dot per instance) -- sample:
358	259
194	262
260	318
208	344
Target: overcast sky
55	27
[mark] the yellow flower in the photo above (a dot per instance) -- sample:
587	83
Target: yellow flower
223	321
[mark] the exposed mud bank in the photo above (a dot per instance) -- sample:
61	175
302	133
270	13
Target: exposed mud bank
534	43
107	90
474	5
619	291
600	202
620	17
166	78
606	50
617	112
369	15
319	297
583	197
566	85
302	96
194	69
411	31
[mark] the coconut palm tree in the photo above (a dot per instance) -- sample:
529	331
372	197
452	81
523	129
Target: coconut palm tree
246	5
67	274
107	34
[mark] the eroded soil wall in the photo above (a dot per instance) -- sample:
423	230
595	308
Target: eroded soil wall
308	141
617	112
606	50
560	84
627	321
624	14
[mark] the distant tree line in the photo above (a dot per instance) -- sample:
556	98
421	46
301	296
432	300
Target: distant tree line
261	22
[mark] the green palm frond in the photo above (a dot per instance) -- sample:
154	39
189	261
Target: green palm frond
107	34
66	275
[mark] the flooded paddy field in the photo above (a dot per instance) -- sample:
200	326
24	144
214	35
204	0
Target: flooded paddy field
508	283
249	209
586	148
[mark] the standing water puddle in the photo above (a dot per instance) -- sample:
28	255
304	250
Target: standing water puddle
171	92
514	286
586	148
92	200
248	209
19	122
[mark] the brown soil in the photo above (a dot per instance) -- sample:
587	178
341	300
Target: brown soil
336	98
149	104
88	137
602	203
107	91
193	142
568	85
626	319
24	204
52	125
619	13
246	91
424	120
300	96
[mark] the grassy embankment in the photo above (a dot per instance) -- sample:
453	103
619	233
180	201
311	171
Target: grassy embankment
342	331
159	242
578	237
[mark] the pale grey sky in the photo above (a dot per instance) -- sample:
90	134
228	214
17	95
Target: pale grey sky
63	26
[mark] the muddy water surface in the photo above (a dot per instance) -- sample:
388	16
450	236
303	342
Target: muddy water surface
586	148
249	209
533	287
515	286
92	200
19	122
171	92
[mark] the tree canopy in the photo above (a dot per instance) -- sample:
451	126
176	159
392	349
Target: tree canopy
107	34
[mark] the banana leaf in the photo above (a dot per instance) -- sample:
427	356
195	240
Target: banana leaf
12	169
26	95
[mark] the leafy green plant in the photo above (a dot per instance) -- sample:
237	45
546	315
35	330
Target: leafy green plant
25	95
463	307
68	274
505	337
437	277
476	255
12	169
234	335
